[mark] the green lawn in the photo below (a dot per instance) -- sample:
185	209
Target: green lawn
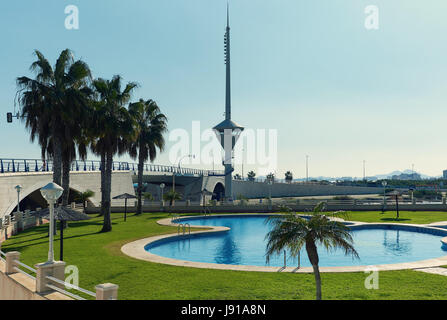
414	217
99	259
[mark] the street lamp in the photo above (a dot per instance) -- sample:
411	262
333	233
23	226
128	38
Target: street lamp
307	168
173	173
270	182
384	183
18	188
51	192
162	186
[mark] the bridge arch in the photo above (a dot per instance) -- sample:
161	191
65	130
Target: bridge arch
33	193
218	191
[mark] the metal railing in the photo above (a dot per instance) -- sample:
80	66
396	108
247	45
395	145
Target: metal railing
38	165
20	264
183	228
70	286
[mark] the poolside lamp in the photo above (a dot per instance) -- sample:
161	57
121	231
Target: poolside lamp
51	192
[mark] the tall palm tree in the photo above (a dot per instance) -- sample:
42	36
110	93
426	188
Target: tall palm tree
70	150
112	127
290	231
150	125
52	102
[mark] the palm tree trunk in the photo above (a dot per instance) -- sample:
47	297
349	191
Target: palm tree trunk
312	253
65	181
140	183
107	225
57	160
103	182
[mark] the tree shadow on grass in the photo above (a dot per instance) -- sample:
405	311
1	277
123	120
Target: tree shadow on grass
19	245
395	220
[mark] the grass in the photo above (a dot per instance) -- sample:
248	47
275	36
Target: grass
414	217
99	260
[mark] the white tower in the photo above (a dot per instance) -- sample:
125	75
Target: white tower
228	131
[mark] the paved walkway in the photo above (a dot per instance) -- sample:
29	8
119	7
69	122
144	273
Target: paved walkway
435	270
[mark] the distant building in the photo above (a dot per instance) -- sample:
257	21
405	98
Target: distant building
444	174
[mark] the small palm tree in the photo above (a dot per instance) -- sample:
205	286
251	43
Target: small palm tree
171	196
251	175
290	231
148	196
84	197
271	177
289	176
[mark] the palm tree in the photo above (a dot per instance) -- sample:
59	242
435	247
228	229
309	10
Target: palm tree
171	196
251	175
289	176
84	197
290	231
148	196
70	148
53	102
150	125
270	177
113	130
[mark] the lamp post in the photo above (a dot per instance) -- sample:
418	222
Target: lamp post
51	192
18	188
270	194
173	173
384	183
307	168
162	186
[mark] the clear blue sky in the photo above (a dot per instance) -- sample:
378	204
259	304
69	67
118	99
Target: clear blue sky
333	90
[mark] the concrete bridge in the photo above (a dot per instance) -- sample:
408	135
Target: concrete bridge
34	174
191	186
32	182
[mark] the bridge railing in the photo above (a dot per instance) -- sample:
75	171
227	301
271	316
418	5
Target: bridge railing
38	165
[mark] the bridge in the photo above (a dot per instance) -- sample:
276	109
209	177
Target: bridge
32	174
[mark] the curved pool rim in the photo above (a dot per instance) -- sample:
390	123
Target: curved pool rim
136	249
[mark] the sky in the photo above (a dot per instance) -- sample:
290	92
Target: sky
308	69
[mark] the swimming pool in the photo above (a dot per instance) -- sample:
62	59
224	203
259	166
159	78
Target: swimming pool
244	244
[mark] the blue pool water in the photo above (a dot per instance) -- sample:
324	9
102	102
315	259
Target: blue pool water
244	244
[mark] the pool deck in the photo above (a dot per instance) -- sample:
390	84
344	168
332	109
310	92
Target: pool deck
136	250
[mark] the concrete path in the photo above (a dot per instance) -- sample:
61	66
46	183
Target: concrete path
435	270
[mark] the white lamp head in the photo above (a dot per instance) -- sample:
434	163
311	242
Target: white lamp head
51	192
384	183
162	185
